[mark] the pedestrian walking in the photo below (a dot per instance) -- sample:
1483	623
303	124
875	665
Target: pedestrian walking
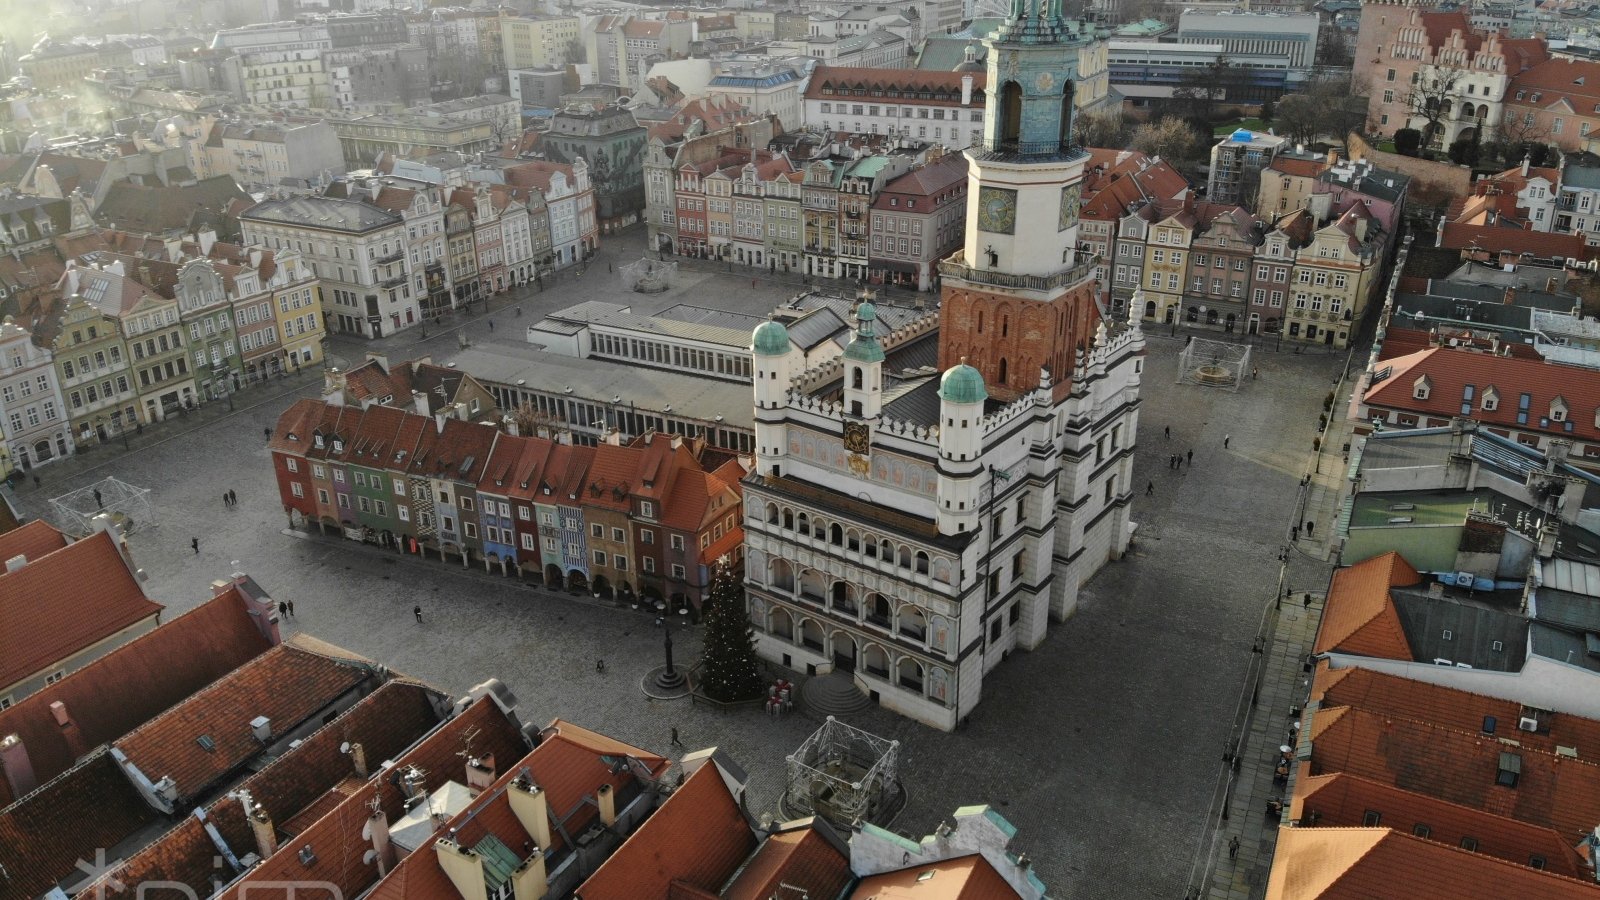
233	498
491	324
417	611
1225	439
1294	533
1307	603
1233	847
1191	457
600	665
1254	372
1310	527
519	310
97	501
1167	431
608	267
225	502
267	433
35	481
283	608
675	741
291	608
195	543
1149	488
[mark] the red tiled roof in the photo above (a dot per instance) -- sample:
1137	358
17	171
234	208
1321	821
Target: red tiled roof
801	859
1451	708
64	602
286	684
32	540
1299	168
567	765
930	180
1367	863
697	838
1343	800
912	81
1456	766
1496	240
43	836
1359	616
962	878
1553	80
133	683
334	839
301	785
1449	371
1439	25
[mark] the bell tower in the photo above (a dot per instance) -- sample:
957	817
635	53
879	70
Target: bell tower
1019	297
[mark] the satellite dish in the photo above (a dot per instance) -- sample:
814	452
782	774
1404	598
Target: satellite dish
369	857
344	747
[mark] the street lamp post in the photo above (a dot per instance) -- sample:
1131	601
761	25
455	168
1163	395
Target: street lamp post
669	678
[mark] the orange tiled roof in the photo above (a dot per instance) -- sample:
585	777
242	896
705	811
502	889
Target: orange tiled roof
341	860
801	858
1449	371
286	684
914	81
1344	800
1365	863
49	831
1448	707
133	683
32	540
963	878
64	602
697	838
1299	168
1456	766
1359	616
1497	240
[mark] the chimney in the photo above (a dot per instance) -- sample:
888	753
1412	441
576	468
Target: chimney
173	247
1525	167
966	89
377	831
532	810
18	768
1333	158
255	257
509	425
261	728
419	401
16	562
463	867
260	825
480	772
439	419
607	799
207	238
529	881
358	759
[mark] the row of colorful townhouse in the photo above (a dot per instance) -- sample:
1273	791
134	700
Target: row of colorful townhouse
641	520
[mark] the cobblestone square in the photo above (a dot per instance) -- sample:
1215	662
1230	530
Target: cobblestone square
1103	746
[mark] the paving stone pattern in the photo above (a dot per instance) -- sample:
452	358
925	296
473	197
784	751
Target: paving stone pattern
1103	746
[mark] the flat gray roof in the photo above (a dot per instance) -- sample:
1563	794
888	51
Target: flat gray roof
598	381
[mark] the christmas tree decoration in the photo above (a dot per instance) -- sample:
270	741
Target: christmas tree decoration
729	670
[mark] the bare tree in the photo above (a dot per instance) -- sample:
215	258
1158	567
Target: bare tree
1300	118
1102	128
1432	100
1170	138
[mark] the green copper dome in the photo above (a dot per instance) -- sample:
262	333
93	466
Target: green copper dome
770	339
963	384
864	346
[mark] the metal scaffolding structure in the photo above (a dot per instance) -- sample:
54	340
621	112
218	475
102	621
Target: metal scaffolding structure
1209	363
128	505
845	775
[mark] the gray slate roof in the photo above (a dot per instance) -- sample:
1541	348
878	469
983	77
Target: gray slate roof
325	213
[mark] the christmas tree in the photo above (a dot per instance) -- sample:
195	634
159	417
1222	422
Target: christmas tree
728	667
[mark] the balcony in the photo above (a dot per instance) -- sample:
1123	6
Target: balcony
396	256
956	266
1001	151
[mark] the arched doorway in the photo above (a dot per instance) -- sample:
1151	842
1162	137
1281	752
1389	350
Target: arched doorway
552	576
1149	309
1010	124
577	581
783	624
876	661
602	587
844	652
811	634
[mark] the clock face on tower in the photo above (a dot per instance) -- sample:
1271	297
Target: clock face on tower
1071	196
997	210
857	437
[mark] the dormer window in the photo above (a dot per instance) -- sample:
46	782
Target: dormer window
1558	410
1491	399
338	446
316	439
1421	388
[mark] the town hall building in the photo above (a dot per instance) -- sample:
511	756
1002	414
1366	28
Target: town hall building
928	501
